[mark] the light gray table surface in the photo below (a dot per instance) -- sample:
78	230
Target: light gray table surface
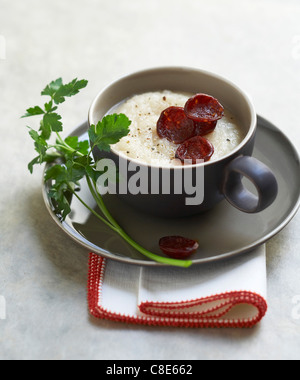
43	274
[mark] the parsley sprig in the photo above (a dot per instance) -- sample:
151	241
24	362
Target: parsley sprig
71	161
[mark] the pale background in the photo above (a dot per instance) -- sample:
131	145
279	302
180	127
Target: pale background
43	274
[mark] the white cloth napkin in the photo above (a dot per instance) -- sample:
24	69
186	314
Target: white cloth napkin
227	293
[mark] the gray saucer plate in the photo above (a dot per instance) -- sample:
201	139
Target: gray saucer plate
222	232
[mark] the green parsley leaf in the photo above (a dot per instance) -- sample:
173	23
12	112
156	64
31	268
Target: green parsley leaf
53	87
76	170
31	164
69	90
71	147
63	205
61	197
65	178
40	144
57	173
33	111
51	121
109	131
83	147
72	141
45	130
49	107
80	146
93	173
59	91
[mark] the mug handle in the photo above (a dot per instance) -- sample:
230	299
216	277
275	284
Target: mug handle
259	174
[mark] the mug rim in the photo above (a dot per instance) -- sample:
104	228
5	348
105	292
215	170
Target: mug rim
247	138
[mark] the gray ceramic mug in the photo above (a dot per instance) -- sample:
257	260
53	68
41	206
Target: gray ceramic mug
223	178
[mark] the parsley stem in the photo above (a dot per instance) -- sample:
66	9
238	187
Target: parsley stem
53	155
59	138
94	212
64	145
100	203
152	256
115	226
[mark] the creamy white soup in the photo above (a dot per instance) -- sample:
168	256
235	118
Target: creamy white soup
143	142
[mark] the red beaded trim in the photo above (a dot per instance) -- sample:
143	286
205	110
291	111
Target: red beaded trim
169	314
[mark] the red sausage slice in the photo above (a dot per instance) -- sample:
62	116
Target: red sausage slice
174	125
178	247
204	110
196	148
202	129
